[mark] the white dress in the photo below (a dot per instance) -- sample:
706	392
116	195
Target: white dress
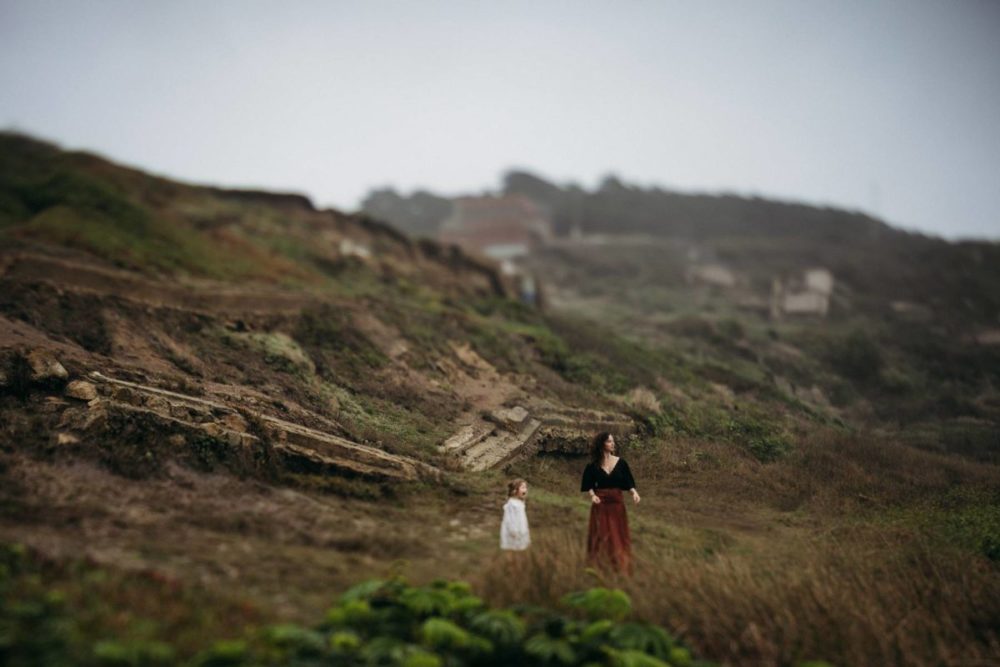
514	527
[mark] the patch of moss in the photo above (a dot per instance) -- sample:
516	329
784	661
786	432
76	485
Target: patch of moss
337	348
278	349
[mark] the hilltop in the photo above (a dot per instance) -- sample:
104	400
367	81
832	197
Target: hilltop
878	263
233	400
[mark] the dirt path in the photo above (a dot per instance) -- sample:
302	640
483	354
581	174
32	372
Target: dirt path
202	296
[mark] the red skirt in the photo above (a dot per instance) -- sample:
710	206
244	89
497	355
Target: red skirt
609	543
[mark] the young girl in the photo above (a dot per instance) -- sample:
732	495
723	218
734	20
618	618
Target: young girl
514	528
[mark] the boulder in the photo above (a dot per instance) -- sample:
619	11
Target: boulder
177	410
81	390
125	395
46	369
234	422
514	416
159	404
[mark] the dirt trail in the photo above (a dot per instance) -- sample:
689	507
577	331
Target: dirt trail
204	297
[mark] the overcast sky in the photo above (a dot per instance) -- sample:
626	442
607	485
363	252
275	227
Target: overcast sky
888	107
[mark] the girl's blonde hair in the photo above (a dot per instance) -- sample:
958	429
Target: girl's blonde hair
513	485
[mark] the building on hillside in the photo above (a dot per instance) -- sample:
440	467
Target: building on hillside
502	228
805	294
505	229
819	281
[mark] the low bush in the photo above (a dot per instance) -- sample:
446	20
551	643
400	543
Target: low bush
856	356
444	623
764	439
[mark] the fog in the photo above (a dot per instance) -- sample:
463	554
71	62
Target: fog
888	107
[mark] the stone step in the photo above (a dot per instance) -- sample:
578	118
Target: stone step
466	437
498	448
340	448
509	417
585	418
304	459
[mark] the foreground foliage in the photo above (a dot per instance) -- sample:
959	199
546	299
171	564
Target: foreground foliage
389	622
377	622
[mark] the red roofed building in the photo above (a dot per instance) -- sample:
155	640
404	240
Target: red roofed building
502	228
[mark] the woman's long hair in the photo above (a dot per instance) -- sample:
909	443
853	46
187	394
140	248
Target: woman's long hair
597	447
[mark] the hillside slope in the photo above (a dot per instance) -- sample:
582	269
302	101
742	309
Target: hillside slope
219	409
245	310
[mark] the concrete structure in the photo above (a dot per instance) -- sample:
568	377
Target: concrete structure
807	294
819	281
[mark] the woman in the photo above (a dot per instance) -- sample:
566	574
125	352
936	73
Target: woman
604	479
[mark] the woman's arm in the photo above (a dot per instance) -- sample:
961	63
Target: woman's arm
629	481
588	483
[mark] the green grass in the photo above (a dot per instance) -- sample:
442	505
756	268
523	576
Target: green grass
278	349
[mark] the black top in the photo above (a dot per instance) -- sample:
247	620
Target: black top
594	477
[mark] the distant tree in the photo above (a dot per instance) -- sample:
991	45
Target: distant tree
534	187
420	214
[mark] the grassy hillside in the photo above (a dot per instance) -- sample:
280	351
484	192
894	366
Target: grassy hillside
273	385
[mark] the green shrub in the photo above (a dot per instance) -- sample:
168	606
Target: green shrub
856	356
977	527
762	438
390	622
600	603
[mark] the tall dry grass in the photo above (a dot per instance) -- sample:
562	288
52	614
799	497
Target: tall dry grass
864	601
852	577
827	473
